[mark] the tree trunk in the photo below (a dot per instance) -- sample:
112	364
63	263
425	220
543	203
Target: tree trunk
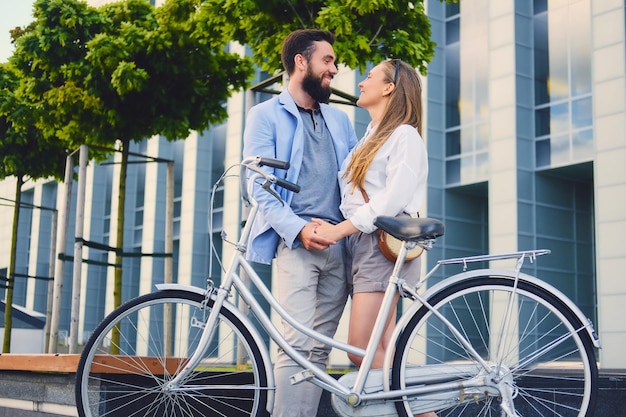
8	311
119	244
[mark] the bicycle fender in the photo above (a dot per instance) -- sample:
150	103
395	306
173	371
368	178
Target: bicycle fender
503	273
246	321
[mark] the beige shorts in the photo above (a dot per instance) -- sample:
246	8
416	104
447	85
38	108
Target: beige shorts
370	270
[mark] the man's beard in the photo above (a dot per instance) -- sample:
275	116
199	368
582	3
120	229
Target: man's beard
313	86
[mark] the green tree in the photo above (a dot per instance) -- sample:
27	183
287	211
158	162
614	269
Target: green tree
23	155
366	30
123	72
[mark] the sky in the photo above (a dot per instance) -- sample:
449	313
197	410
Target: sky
12	13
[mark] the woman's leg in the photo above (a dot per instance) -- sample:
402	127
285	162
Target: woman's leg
365	306
363	313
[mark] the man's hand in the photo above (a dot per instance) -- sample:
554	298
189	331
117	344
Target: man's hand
311	240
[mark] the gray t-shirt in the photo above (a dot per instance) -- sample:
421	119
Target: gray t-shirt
319	195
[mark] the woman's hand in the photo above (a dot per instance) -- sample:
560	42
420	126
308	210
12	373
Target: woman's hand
334	232
311	240
325	230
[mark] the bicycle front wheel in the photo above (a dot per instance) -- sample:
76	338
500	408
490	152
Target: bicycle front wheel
541	350
132	355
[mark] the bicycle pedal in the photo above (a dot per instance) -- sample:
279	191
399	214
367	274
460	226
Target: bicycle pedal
301	377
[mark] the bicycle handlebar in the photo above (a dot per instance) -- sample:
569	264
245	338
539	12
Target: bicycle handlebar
274	163
280	164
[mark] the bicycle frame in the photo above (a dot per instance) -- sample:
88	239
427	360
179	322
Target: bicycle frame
355	395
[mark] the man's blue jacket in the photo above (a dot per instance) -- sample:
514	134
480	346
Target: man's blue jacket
274	130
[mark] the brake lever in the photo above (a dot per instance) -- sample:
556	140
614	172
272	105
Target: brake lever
267	186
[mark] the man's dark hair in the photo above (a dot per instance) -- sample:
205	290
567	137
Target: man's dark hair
302	42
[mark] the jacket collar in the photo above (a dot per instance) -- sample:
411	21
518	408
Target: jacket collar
288	102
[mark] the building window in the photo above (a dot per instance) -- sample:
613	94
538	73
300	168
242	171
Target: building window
140	194
562	65
178	150
4	276
453	92
467	96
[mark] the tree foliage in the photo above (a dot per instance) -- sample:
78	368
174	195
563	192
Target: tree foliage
23	151
126	70
366	30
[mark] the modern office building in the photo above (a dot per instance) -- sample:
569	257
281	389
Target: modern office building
526	133
527	144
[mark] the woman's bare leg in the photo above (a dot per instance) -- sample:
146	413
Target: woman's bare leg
363	314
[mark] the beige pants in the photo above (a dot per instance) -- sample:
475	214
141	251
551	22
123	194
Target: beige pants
312	287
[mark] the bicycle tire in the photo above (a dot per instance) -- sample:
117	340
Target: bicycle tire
230	380
561	381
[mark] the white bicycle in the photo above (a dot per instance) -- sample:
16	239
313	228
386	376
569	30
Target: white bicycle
482	342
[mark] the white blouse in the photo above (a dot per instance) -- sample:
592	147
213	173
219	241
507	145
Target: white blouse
395	181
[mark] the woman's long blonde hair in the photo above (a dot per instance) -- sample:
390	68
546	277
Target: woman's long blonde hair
404	107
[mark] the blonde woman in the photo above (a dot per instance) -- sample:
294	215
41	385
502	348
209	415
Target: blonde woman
384	175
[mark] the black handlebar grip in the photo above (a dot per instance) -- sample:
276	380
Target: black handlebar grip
288	185
274	163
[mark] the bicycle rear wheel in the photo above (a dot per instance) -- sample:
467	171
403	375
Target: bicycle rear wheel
543	351
157	334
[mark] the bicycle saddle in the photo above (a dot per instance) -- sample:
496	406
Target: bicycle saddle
409	228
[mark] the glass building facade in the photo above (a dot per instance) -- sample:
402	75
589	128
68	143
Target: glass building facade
524	145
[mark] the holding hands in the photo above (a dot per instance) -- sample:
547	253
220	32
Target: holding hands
333	232
312	240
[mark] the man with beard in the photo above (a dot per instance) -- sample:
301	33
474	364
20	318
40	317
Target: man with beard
311	280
